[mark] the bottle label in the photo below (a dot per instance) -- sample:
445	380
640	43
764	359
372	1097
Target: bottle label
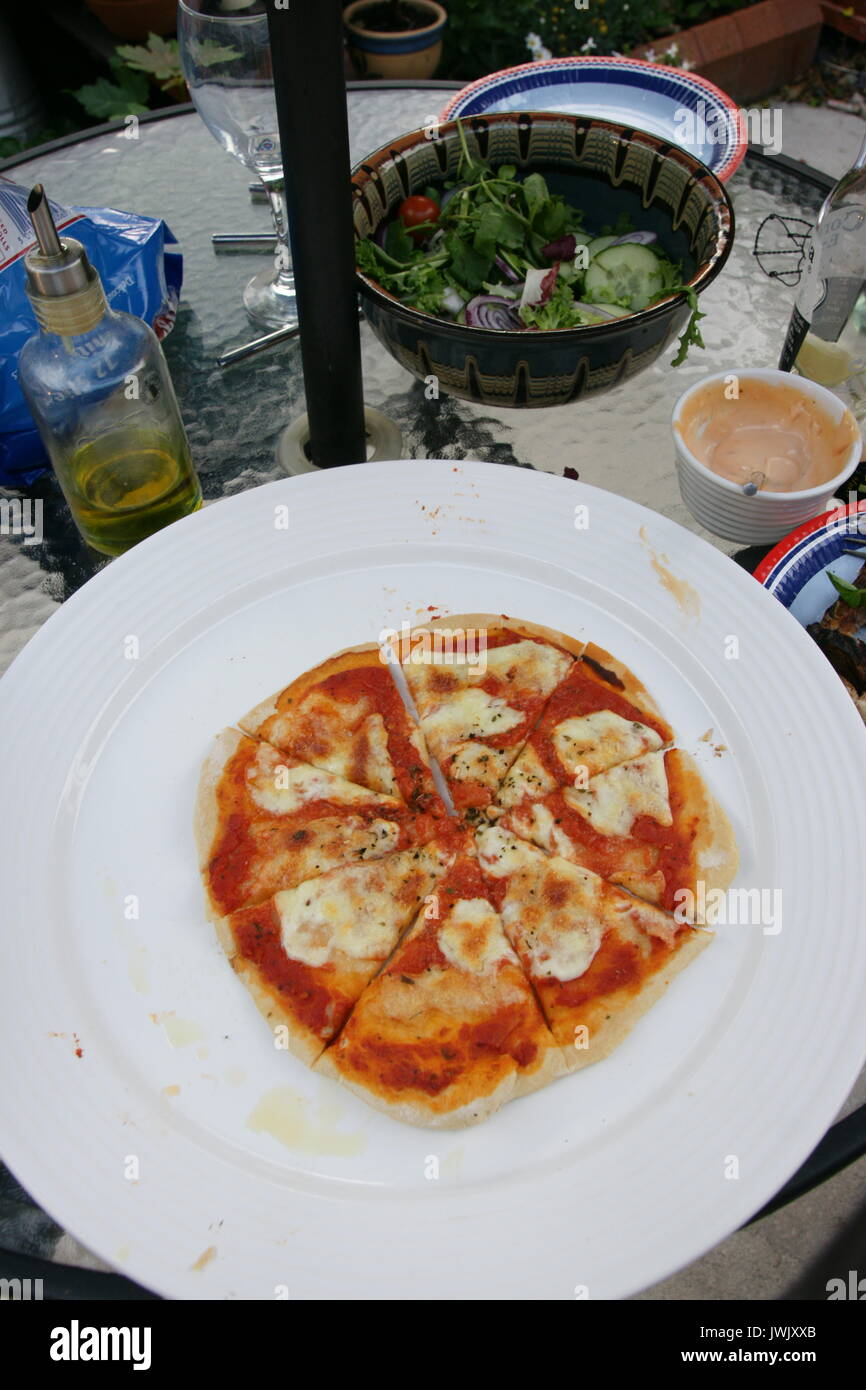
836	306
797	330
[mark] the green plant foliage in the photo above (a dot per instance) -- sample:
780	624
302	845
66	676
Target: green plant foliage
485	35
111	100
159	58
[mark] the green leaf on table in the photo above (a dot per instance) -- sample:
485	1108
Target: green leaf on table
849	592
691	337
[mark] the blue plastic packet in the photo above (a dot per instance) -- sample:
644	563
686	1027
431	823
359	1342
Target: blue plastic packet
140	272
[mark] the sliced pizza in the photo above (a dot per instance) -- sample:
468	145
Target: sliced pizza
306	953
265	821
450	1029
650	825
479	682
348	717
597	957
599	715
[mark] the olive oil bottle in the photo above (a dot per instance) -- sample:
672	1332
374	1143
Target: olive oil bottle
98	387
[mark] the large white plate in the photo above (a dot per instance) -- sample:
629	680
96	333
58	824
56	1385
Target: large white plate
145	1106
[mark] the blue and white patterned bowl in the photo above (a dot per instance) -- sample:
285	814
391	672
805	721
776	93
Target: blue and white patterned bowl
677	106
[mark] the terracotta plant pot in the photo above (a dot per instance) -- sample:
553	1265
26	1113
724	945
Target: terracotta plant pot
752	52
135	19
409	53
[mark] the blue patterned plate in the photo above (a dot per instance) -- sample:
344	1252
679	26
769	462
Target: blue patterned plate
796	570
676	105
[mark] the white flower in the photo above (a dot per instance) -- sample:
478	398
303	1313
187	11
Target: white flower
686	66
588	46
536	47
672	52
650	55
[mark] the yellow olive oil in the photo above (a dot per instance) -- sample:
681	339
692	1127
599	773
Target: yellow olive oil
127	484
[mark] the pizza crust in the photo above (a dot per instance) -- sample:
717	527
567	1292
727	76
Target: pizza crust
348	660
572	645
717	857
206	816
616	1029
412	1112
301	1042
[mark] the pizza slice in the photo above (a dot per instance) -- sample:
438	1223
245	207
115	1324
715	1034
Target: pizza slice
597	957
348	717
479	682
599	715
650	825
306	953
450	1029
265	821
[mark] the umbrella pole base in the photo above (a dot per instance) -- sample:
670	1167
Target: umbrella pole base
384	441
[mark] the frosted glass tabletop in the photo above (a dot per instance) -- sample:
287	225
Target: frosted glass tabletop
619	441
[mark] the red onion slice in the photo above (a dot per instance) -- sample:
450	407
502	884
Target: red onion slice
641	238
506	269
492	311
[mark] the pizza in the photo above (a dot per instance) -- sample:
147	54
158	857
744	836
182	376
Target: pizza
476	712
450	1029
455	866
597	956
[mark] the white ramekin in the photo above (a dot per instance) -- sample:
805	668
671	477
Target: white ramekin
722	506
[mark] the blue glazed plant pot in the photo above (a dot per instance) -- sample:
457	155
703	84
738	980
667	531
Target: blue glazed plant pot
413	53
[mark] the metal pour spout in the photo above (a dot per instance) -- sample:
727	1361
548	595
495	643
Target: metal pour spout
54	268
43	222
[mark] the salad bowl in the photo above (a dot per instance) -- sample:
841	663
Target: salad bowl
615	176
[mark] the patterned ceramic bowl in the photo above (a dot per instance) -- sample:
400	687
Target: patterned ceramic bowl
604	168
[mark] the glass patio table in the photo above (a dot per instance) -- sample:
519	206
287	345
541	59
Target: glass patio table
620	441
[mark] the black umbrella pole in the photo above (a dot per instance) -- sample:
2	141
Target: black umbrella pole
307	52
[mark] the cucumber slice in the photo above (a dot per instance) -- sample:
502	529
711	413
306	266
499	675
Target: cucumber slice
612	310
628	274
599	243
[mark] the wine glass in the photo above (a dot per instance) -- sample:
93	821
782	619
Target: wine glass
226	59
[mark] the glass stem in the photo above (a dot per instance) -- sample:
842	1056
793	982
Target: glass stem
276	191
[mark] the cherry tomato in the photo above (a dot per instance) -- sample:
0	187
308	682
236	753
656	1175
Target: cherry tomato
414	211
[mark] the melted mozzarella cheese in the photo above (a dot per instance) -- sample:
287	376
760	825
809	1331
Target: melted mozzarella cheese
280	787
503	854
470	714
527	780
613	800
538	823
555	917
331	734
537	668
478	762
599	740
472	939
377	765
357	910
